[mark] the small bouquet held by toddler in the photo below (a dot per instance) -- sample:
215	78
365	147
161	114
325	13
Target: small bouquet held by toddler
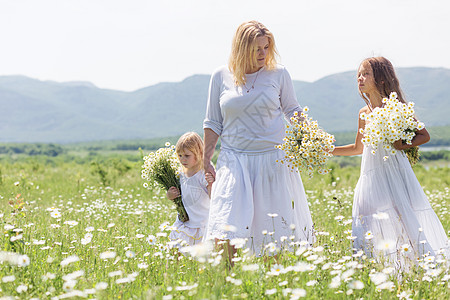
306	146
161	168
387	124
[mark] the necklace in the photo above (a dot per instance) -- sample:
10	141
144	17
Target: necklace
253	84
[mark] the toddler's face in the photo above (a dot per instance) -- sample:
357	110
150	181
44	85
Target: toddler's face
187	159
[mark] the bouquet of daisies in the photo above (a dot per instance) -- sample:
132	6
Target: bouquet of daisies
307	147
161	168
387	124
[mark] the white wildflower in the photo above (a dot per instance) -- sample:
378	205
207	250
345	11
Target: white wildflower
107	255
22	288
69	260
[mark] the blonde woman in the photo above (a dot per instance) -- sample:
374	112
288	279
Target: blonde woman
253	196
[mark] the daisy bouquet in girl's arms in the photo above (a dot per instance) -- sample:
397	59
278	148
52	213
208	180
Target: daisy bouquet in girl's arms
307	147
161	168
393	121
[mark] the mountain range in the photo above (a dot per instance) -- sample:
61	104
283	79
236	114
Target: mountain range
50	112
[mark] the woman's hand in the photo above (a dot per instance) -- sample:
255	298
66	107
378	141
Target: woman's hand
209	169
210	179
211	139
172	193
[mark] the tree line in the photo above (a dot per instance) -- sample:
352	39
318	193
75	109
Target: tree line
32	149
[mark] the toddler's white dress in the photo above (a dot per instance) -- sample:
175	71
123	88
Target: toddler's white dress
390	209
194	195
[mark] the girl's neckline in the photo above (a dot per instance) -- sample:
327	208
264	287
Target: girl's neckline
186	175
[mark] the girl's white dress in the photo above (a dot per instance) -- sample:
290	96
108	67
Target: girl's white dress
391	212
194	195
254	197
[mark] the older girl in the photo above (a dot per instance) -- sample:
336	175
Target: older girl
391	213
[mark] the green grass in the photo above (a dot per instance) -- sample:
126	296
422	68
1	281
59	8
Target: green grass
120	214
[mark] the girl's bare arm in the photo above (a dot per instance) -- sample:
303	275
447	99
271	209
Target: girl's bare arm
357	147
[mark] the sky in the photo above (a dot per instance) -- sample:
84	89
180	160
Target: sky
130	44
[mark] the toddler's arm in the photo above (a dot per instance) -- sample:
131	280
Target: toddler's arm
172	193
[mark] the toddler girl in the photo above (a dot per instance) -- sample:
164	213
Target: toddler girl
195	190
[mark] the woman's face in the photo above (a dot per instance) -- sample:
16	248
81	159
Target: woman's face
366	81
262	48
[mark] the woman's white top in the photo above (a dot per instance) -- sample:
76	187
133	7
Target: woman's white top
194	195
253	121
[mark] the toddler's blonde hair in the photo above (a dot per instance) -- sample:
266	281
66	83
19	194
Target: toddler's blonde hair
192	142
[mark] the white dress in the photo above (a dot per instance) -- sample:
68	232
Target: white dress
194	195
254	197
391	210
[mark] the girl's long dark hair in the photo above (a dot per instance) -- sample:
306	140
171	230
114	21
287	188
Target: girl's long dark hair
385	78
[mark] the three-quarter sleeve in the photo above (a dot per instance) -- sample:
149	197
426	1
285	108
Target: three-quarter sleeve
213	119
289	103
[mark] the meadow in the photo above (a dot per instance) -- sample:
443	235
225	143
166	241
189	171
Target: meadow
83	226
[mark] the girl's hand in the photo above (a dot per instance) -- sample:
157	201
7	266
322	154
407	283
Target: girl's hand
172	193
422	136
209	178
399	145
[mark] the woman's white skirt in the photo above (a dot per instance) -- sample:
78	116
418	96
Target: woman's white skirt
259	199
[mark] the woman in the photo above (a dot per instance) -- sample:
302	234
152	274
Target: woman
253	196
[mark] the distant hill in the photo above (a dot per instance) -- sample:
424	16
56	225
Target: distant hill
47	111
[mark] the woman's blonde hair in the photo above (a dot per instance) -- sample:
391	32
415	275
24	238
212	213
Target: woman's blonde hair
192	142
385	78
243	50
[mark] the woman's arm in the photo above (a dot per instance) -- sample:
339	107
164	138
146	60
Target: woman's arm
288	99
357	147
213	123
210	140
422	136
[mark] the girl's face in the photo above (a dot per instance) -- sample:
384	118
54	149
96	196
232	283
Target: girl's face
187	159
262	48
366	81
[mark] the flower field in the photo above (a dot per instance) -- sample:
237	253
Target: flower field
82	230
